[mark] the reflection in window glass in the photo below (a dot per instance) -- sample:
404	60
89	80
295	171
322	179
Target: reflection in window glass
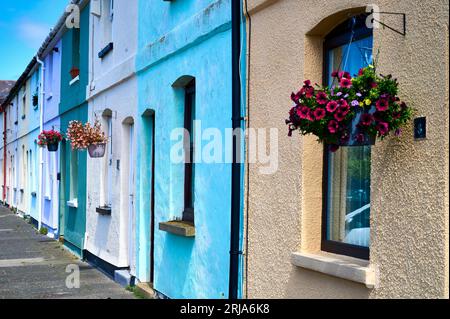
348	198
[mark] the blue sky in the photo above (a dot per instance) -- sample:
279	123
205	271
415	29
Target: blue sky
24	25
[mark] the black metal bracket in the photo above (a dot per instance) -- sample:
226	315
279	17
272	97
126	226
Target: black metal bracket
403	33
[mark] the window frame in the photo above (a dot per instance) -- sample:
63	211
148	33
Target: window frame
338	37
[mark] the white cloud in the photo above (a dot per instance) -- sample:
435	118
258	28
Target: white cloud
33	33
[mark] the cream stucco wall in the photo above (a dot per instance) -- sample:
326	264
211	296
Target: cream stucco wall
409	208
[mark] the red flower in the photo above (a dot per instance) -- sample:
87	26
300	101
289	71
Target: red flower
360	72
321	98
333	126
307	83
335	74
366	119
382	128
345	83
309	92
382	104
332	106
373	85
339	116
344	109
303	112
319	113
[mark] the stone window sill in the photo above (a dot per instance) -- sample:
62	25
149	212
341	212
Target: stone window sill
76	79
73	203
178	227
344	267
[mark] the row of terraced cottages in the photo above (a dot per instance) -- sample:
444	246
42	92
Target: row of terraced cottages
186	181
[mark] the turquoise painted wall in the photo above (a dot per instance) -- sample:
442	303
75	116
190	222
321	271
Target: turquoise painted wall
73	106
177	39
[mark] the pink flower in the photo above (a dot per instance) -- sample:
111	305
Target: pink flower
344	109
382	128
319	113
360	72
307	83
303	112
398	132
339	116
332	106
333	126
309	92
382	104
334	74
321	98
345	83
366	119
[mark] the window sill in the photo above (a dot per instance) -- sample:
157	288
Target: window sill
75	80
103	211
357	270
73	203
178	227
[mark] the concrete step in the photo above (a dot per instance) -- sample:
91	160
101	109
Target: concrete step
146	289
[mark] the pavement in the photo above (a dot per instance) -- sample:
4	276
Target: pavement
33	266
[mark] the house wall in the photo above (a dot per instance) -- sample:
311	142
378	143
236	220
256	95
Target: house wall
73	106
409	194
183	38
113	87
51	167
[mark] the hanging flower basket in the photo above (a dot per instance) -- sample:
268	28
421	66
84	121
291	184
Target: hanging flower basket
353	113
52	147
50	139
97	150
87	136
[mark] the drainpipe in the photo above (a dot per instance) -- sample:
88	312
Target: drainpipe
5	129
41	128
236	165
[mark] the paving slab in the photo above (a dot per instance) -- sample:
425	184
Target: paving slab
33	266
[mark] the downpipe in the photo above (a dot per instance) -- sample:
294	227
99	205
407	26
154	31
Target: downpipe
41	128
236	165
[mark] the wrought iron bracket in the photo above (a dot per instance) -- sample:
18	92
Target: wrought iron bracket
403	15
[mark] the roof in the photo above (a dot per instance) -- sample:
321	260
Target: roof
5	88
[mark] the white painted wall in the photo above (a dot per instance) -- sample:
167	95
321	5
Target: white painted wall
113	87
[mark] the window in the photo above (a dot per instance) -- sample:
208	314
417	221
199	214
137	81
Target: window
107	17
107	161
24	101
189	166
76	47
50	75
346	216
73	175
